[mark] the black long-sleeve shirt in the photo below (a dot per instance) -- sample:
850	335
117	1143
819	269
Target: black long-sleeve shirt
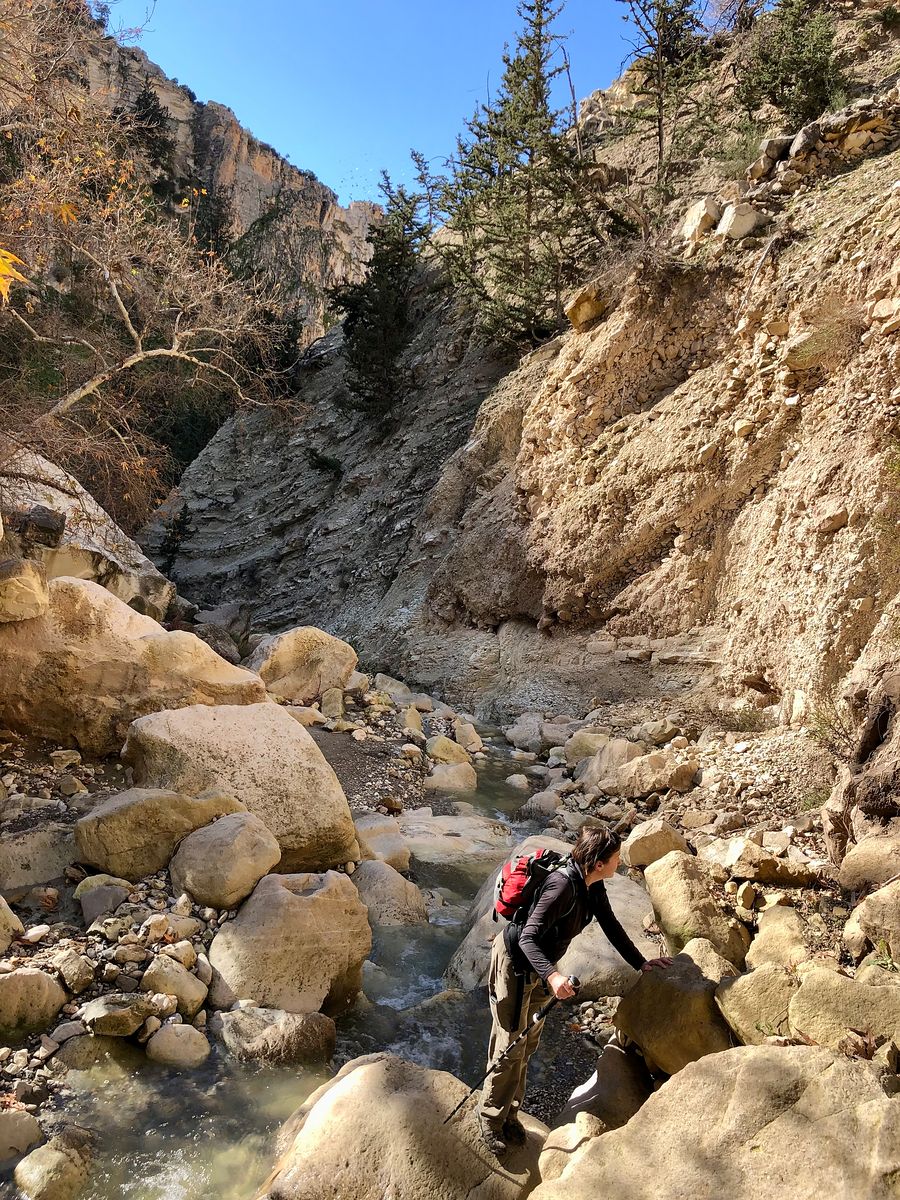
564	907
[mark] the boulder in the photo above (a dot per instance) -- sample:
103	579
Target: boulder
564	1140
443	750
781	939
222	863
10	926
651	840
377	1130
275	1038
711	963
36	855
58	1170
380	839
655	733
76	969
261	755
606	761
300	664
738	221
19	1131
755	1005
702	216
744	859
23	590
756	1122
590	957
167	977
686	907
411	720
587	305
181	1046
470	842
874	860
298	944
90	665
584	743
135	833
116	1015
29	1002
878	917
827	1007
673	1017
526	732
452	777
101	894
617	1089
85	542
467	736
389	898
656	772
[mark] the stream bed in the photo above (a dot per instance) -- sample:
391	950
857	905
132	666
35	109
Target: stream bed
209	1134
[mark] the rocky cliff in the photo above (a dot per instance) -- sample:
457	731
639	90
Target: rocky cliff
289	223
699	484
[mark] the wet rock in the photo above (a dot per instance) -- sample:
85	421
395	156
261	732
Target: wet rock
755	1005
672	1015
58	1170
221	864
686	907
380	838
298	944
365	1140
302	663
649	841
60	668
181	1046
781	939
135	833
389	898
276	1038
19	1131
29	1002
452	840
811	1116
828	1007
170	978
259	754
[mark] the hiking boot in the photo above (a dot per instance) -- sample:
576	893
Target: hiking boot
514	1131
493	1139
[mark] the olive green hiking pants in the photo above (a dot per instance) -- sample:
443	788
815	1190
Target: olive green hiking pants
504	1090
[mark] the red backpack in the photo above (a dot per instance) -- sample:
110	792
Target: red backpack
520	880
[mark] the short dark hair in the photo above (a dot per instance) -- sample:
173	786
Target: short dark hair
595	846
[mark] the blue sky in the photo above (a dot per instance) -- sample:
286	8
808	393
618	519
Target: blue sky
347	88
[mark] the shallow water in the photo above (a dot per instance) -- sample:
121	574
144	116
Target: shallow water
208	1134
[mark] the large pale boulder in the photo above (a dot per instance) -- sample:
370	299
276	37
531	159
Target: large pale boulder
389	898
585	743
85	543
756	1122
616	1090
377	1130
651	840
297	944
781	939
380	838
686	907
23	590
300	664
828	1006
656	772
58	1170
605	762
116	1015
19	1130
263	757
878	918
755	1005
29	1002
82	672
744	859
874	860
167	977
274	1037
671	1013
135	833
222	863
444	750
179	1046
590	957
10	926
702	216
37	854
467	841
526	732
452	777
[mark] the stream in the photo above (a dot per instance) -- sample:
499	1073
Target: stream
165	1135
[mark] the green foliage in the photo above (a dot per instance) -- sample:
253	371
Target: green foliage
889	18
523	219
378	325
150	130
791	63
214	220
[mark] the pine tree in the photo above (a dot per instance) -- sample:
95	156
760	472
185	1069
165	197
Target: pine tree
521	211
378	325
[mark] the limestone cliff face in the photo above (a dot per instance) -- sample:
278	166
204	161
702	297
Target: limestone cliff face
290	223
701	485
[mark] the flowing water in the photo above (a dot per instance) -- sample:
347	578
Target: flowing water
209	1133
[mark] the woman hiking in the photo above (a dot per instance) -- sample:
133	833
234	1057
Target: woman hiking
524	957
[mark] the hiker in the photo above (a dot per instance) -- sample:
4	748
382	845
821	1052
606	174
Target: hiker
524	957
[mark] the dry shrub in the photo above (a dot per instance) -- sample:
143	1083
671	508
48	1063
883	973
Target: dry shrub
838	325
